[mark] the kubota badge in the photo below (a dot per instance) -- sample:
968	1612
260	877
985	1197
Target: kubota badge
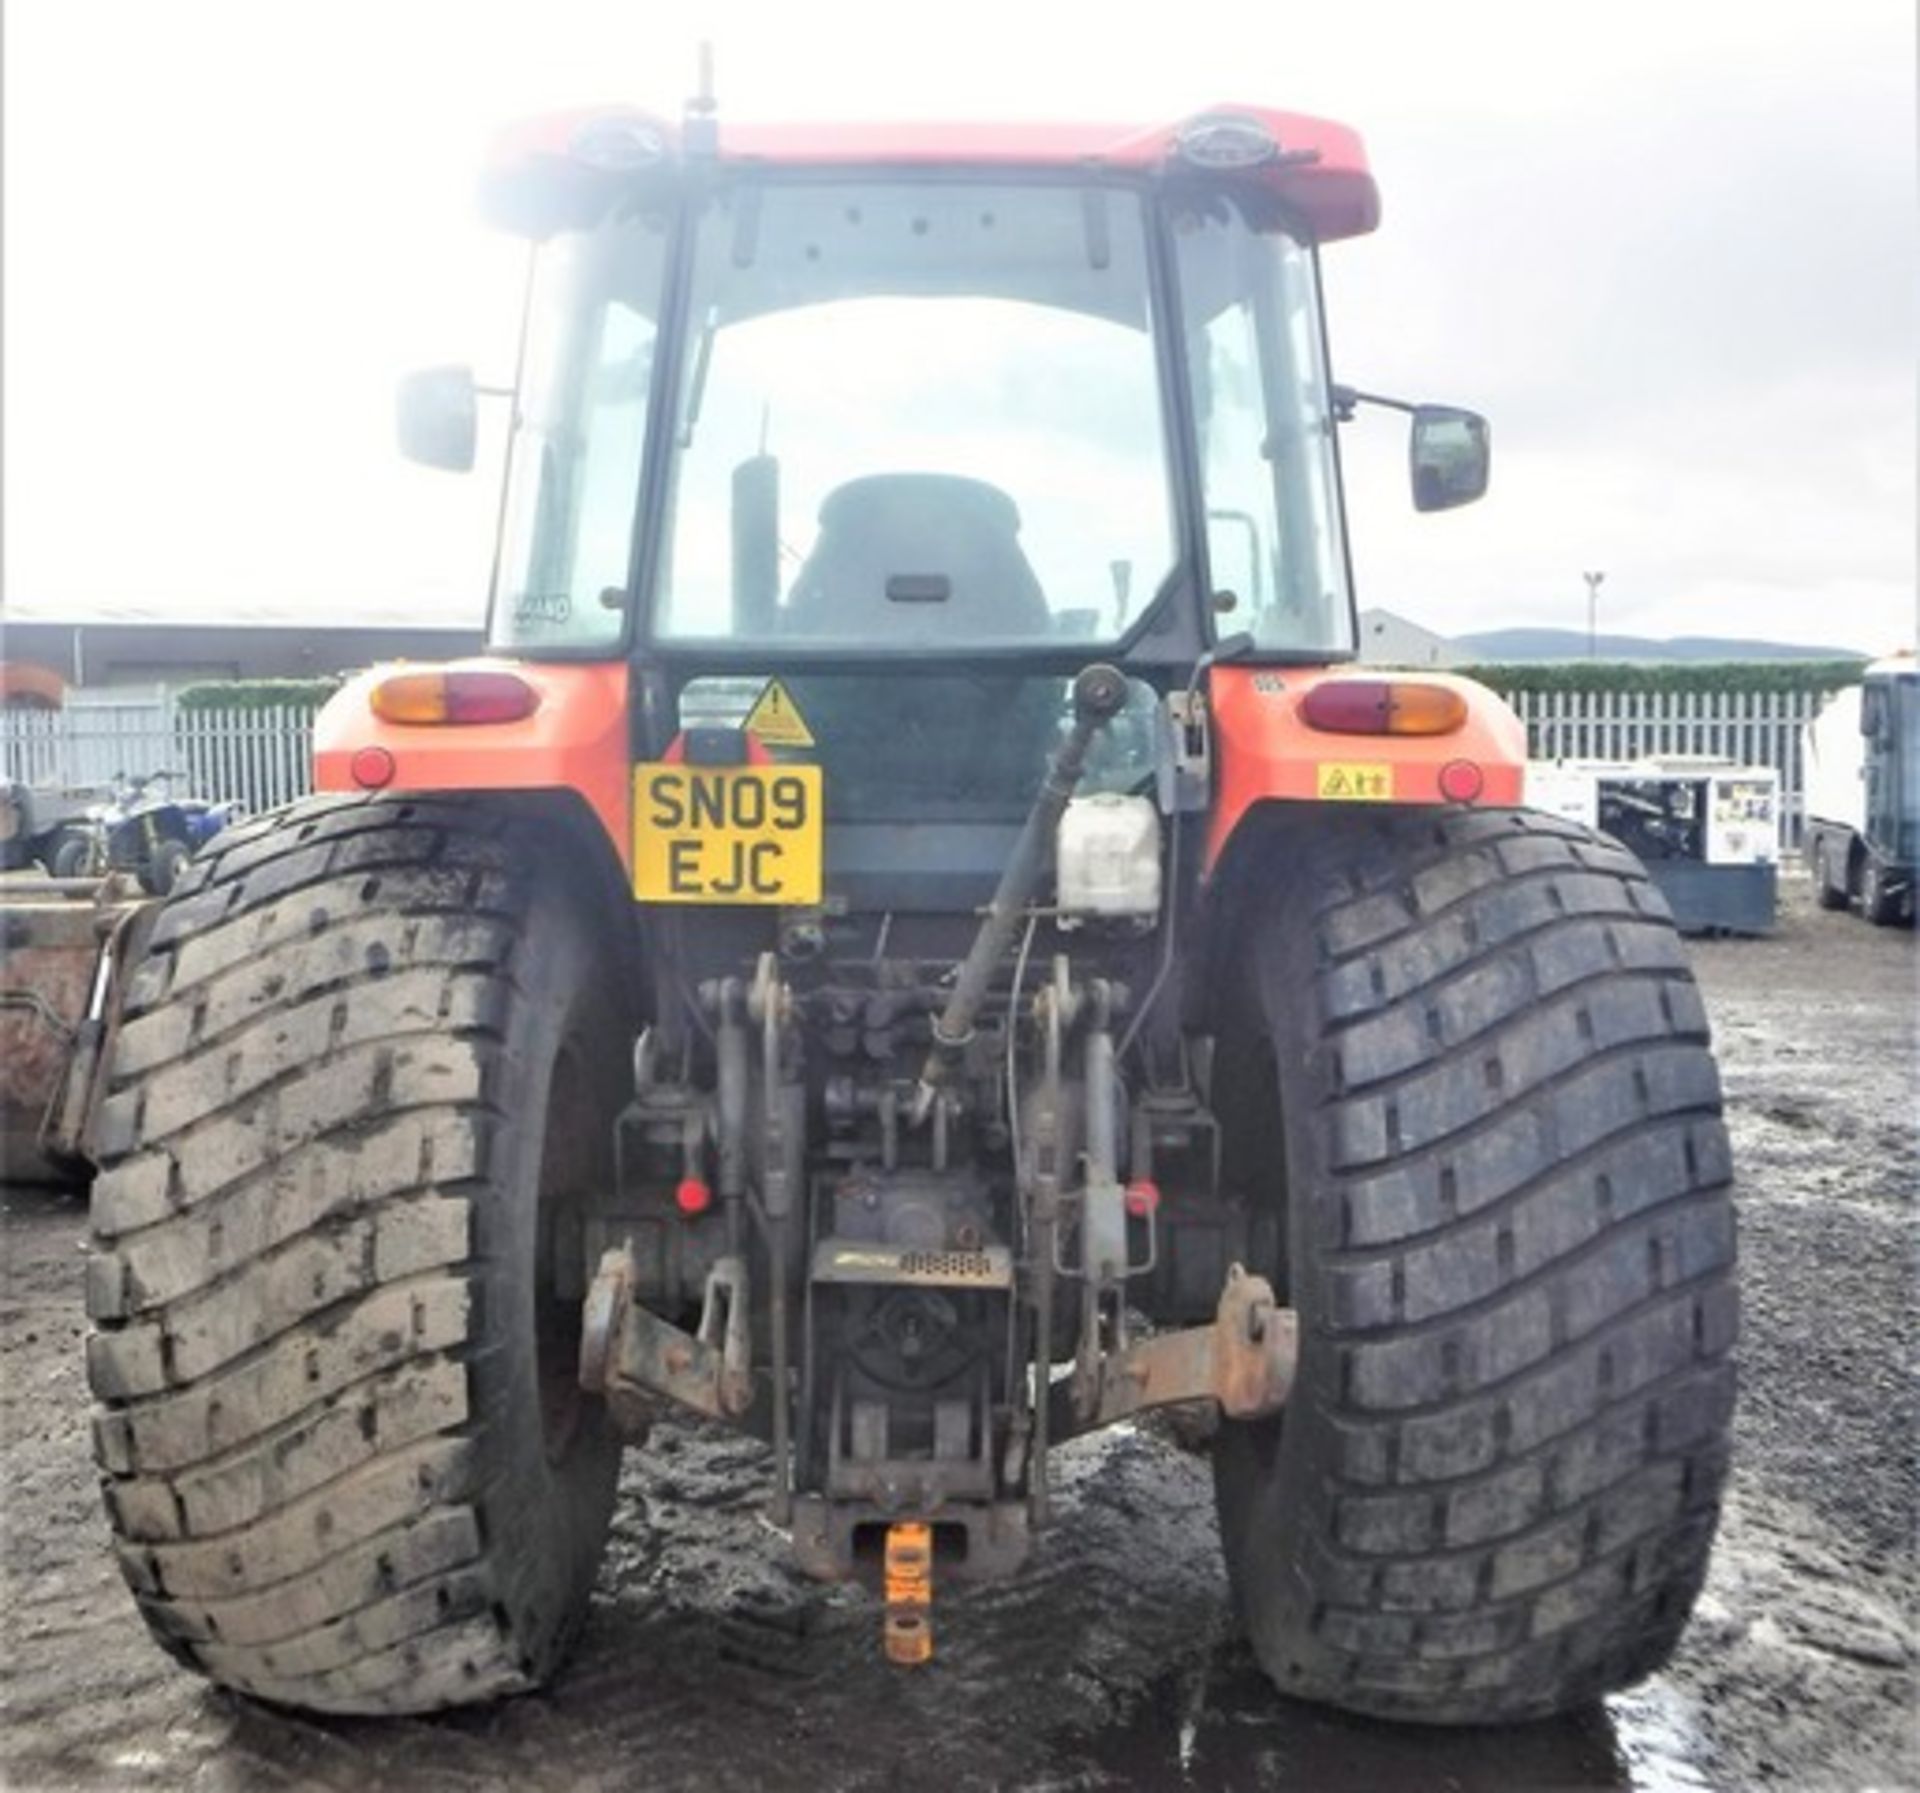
776	718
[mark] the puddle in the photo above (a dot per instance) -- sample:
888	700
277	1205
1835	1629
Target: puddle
1219	1725
1659	1741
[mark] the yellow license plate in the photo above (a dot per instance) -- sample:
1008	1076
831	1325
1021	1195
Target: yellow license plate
727	834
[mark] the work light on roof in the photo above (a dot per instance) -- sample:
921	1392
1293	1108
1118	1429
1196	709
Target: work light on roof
1225	140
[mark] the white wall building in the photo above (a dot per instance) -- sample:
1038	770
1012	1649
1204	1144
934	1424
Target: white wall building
1389	640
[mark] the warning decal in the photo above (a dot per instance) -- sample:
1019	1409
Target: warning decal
776	719
1347	781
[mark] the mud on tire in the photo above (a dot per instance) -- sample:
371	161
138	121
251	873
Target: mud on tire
1499	1193
366	1065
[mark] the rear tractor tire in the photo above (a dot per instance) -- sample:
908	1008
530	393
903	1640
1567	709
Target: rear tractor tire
368	1068
1497	1191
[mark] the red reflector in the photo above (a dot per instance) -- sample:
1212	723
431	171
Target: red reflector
692	1197
1143	1197
1383	707
1461	781
372	768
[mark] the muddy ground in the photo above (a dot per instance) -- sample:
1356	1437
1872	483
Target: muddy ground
708	1663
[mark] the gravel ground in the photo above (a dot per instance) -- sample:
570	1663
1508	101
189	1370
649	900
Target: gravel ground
1111	1662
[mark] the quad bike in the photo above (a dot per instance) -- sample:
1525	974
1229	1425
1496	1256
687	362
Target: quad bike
916	944
134	825
148	832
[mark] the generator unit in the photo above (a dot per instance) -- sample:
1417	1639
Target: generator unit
1707	830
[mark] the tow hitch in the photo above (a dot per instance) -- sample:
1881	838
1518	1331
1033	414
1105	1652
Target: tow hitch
908	1626
1244	1361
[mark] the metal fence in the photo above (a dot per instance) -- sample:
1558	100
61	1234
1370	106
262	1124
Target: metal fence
259	758
262	758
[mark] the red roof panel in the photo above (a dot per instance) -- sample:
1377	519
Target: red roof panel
1322	170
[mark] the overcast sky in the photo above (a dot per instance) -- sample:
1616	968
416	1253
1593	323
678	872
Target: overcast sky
1669	248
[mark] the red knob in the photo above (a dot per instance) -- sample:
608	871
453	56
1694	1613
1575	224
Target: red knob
693	1197
1143	1197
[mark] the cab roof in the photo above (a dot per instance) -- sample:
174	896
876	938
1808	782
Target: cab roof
553	171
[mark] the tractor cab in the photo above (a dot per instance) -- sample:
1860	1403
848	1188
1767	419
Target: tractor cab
866	442
924	412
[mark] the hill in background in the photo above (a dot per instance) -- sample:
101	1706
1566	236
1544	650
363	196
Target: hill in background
1507	645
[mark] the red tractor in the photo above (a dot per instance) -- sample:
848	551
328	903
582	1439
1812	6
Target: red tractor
916	943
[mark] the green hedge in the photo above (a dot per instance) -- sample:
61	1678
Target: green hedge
1638	675
258	694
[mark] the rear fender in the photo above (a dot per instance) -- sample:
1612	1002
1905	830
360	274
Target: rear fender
1266	753
575	740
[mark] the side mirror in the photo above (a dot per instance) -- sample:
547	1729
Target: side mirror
437	412
1449	454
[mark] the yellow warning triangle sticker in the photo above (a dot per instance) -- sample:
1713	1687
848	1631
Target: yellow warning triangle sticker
776	718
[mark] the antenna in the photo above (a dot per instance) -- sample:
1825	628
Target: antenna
700	135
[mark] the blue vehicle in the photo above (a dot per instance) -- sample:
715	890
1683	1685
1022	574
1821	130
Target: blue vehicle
142	829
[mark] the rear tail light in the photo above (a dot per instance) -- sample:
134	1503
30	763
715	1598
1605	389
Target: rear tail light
1383	707
453	697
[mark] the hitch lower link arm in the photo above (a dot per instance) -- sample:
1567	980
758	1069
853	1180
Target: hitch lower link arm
1245	1360
630	1356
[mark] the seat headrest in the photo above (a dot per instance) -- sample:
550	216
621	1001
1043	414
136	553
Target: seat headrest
886	529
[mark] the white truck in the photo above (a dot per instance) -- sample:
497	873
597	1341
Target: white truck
1862	757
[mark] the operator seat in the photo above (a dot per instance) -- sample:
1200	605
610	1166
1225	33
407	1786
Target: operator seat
931	562
928	558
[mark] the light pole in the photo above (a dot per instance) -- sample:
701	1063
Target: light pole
1593	607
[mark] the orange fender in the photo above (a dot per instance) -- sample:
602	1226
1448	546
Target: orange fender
574	740
1265	749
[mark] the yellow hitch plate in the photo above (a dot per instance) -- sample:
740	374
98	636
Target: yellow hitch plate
727	834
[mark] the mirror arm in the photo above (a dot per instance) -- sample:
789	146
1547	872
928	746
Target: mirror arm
1346	398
